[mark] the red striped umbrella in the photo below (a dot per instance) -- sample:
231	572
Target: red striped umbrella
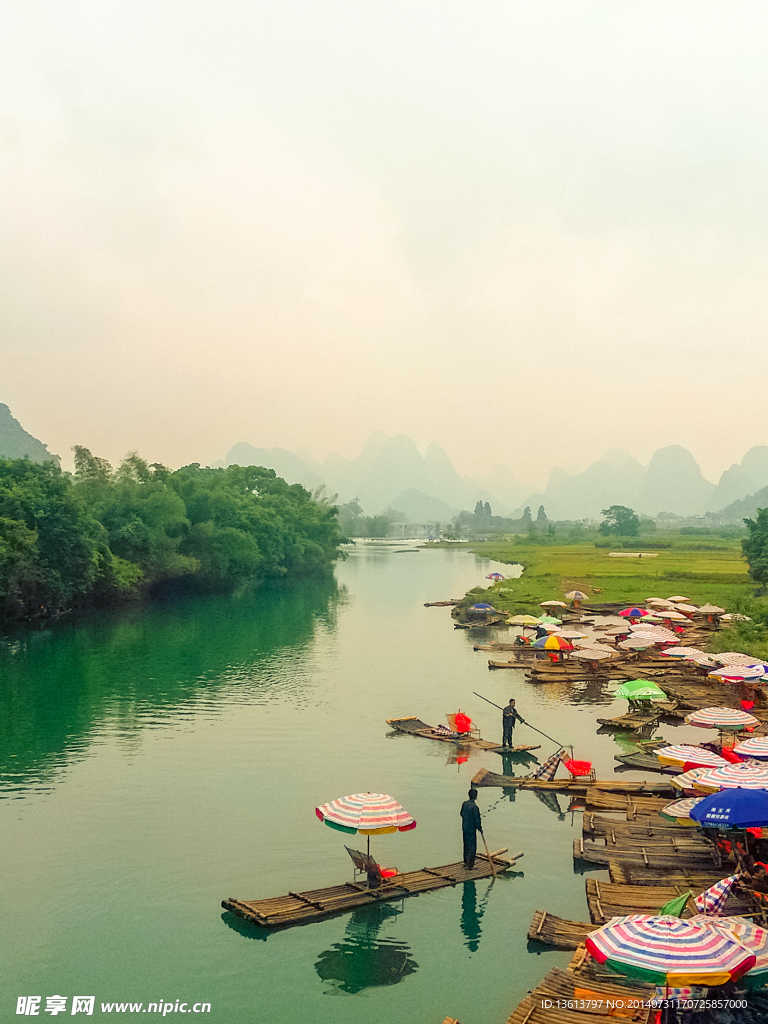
722	718
666	950
370	814
748	934
684	753
688	779
755	746
734	776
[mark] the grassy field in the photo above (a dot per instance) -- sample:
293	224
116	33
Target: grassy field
718	576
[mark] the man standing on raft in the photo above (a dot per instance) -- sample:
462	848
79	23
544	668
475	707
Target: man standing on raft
470	826
508	718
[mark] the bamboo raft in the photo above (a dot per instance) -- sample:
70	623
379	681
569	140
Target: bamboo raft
413	726
643	761
485	778
540	1006
634	806
680	874
557	931
606	900
600	826
305	907
655	854
442	604
633	722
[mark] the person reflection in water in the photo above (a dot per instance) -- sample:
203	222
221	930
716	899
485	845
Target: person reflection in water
470	917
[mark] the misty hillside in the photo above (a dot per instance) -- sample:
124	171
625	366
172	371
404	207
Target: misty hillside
17	443
672	482
390	472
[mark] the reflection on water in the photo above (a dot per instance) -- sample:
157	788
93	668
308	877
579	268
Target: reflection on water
145	667
363	960
551	802
471	915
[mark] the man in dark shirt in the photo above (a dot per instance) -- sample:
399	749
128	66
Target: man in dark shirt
508	718
470	826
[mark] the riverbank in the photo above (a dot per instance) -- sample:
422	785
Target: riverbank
551	571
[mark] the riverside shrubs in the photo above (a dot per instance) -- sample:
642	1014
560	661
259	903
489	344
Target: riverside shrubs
103	534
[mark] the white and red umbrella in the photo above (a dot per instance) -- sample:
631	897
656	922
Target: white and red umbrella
722	718
733	776
369	814
666	950
755	746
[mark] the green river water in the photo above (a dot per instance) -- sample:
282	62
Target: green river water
159	760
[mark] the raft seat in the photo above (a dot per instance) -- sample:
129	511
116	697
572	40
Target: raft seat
580	770
366	865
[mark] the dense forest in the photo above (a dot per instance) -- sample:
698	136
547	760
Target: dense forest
102	535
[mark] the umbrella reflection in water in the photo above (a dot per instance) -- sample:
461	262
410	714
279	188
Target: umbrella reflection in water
362	960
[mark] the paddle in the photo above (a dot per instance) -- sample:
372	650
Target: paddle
524	723
488	855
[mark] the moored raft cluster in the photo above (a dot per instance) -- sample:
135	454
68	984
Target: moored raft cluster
684	910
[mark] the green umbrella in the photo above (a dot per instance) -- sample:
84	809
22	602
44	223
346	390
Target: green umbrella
550	620
640	689
677	905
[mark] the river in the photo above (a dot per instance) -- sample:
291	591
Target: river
157	760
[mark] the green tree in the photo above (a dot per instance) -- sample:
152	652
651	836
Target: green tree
755	547
527	518
620	520
541	517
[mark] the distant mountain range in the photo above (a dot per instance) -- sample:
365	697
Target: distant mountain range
16	443
672	482
390	472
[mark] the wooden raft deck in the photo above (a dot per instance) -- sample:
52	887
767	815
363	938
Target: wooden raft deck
656	854
557	931
606	900
540	1007
413	726
486	778
305	907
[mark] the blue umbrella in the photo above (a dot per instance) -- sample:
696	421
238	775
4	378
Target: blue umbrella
733	808
482	608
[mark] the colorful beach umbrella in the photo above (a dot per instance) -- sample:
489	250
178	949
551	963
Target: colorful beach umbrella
634	613
685	753
733	808
665	950
722	718
369	814
750	935
494	576
659	632
688	779
681	652
755	746
576	595
523	620
733	776
640	689
553	643
637	643
482	607
713	899
738	673
553	604
680	812
734	658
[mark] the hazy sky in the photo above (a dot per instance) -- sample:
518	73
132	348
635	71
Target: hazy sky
531	231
